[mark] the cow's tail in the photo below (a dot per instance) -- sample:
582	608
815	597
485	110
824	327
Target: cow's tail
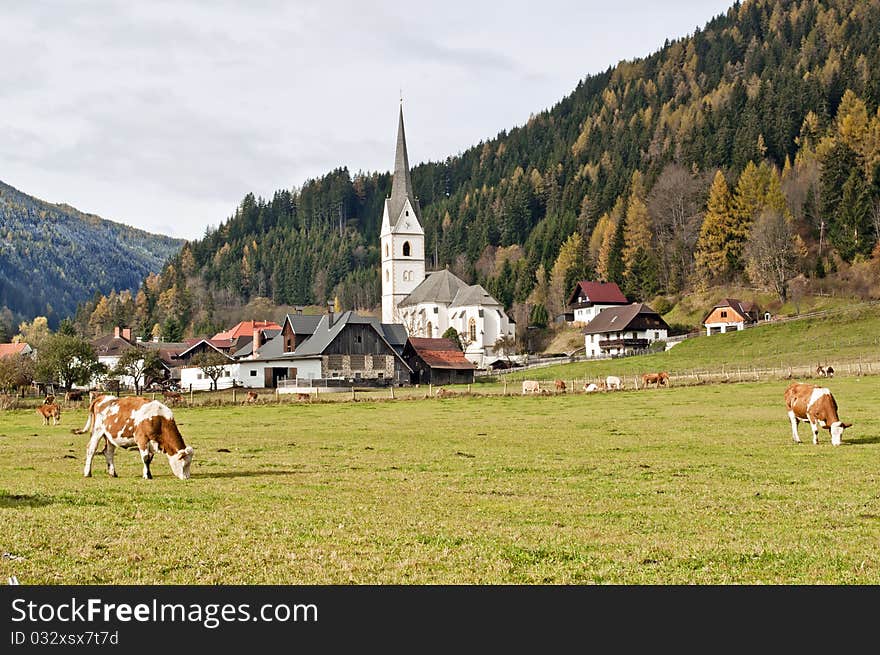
90	419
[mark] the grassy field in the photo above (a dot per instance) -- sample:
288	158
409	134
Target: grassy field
843	338
697	485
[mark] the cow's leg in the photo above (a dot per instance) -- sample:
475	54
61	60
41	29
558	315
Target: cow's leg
147	457
794	426
814	426
109	451
90	453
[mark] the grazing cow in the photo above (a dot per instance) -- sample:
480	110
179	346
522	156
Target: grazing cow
251	398
303	396
73	396
613	382
48	400
444	393
815	405
50	411
531	386
829	372
820	371
591	387
128	422
560	385
172	396
650	378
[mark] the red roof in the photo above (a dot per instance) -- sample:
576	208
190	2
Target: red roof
598	293
246	328
8	349
440	353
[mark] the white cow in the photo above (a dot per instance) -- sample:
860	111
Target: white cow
531	386
135	422
613	382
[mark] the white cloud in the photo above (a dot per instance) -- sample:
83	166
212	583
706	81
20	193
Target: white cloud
162	115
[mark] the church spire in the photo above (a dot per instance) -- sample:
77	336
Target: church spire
401	184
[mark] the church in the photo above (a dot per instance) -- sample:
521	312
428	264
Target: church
428	304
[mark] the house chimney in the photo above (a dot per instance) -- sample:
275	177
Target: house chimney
330	315
126	333
116	332
257	337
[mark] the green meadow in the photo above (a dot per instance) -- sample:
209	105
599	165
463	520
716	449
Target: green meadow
686	485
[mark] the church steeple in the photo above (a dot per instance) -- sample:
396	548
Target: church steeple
401	183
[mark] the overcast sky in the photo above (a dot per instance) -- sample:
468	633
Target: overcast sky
163	115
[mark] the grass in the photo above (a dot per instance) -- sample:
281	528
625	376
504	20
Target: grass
696	485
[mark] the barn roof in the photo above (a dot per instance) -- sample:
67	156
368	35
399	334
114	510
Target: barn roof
618	319
745	308
604	293
439	353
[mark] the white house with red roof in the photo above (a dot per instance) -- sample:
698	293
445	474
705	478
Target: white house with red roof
590	298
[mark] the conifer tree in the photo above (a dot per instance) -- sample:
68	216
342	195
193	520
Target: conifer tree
717	234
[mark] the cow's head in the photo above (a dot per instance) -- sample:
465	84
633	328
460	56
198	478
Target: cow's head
837	429
180	462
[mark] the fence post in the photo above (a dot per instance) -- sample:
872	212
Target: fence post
505	385
430	389
469	389
392	391
352	393
190	393
233	395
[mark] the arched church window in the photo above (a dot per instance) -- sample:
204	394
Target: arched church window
386	249
430	330
472	330
387	275
406	248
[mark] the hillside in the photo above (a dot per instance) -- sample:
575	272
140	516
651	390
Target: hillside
746	153
840	337
54	257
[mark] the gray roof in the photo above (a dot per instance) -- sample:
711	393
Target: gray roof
248	348
473	295
303	323
439	286
617	319
394	333
401	183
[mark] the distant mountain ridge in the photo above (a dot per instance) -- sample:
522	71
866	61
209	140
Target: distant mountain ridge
54	257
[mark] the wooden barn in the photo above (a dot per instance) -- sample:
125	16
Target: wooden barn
437	361
729	315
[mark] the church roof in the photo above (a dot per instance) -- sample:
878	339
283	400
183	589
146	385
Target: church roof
473	295
401	183
440	287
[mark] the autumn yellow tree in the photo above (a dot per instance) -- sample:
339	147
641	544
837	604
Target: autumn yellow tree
717	234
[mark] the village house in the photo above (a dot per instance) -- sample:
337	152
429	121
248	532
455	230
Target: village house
590	298
437	361
15	349
617	331
729	315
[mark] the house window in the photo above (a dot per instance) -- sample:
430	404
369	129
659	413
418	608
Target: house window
723	314
656	336
253	373
472	330
380	374
357	374
406	245
430	330
358	338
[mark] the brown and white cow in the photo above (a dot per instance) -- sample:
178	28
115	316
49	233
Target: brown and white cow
135	422
50	411
251	398
815	405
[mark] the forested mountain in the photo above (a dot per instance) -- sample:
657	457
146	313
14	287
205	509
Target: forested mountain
54	257
748	151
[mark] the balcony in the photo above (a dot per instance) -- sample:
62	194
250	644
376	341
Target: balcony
619	344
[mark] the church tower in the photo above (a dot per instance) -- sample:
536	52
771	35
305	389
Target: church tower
402	238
